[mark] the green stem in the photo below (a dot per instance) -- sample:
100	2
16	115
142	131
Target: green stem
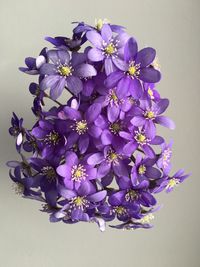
57	102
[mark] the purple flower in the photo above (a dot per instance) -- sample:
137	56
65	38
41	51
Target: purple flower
168	183
111	158
164	158
34	64
50	138
139	138
64	71
80	126
46	178
149	113
143	169
131	193
134	69
21	177
75	171
90	157
107	47
116	106
80	203
17	130
150	92
83	27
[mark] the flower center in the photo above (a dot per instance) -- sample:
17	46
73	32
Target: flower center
78	173
81	127
147	218
112	156
18	188
79	202
150	93
65	70
130	195
133	70
115	127
172	183
149	114
140	138
166	157
50	173
110	49
52	138
120	210
142	169
99	24
112	98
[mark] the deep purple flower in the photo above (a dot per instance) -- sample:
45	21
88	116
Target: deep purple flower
150	92
80	126
80	203
107	47
134	69
17	130
75	171
90	157
72	44
143	169
149	113
139	138
168	183
30	143
115	105
21	176
50	138
137	194
83	27
46	178
165	157
64	71
34	64
111	158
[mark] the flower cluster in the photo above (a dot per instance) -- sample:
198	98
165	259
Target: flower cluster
97	157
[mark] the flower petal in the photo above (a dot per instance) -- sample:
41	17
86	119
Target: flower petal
130	49
165	121
85	70
123	87
95	55
109	66
95	38
130	147
74	84
49	81
106	137
106	33
83	143
57	89
93	112
113	113
113	78
150	75
96	197
135	88
96	158
145	56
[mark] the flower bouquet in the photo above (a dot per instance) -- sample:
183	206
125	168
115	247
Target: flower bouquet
95	157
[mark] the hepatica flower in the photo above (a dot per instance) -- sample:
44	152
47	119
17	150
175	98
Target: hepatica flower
64	71
107	48
133	69
90	157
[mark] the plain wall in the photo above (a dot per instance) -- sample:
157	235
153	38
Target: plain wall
26	236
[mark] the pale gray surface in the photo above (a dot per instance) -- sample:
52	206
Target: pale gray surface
26	236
